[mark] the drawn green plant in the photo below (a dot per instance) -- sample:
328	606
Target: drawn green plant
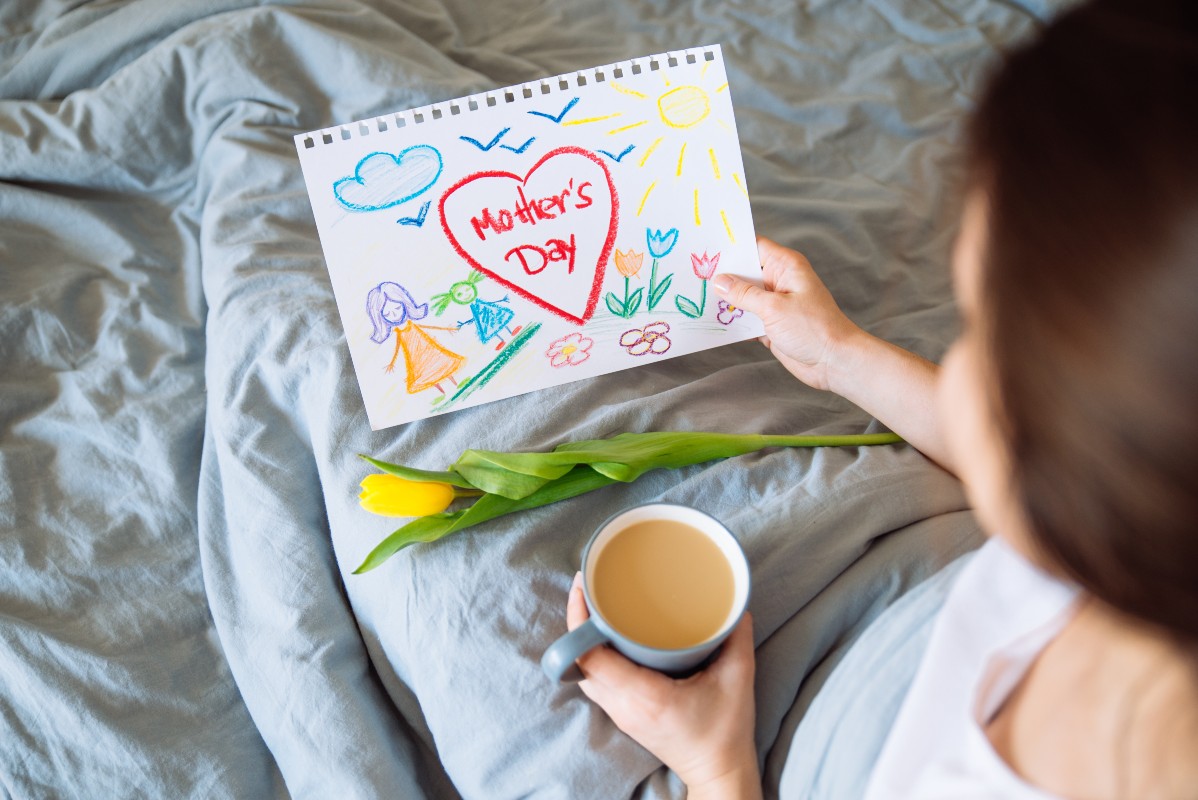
628	264
704	266
659	244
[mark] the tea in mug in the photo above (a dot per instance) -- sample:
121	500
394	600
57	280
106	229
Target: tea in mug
663	584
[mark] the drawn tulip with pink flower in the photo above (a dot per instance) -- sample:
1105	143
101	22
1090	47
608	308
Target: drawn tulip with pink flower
704	266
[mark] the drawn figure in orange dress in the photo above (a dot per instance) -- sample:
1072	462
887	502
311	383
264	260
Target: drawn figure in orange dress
392	309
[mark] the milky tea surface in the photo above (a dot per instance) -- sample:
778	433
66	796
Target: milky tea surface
663	584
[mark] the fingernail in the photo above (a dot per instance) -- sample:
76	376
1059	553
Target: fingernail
577	581
722	283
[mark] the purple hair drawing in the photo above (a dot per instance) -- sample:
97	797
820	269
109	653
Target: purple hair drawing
389	305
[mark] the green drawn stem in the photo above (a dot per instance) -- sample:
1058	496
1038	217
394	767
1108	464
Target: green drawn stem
652	282
484	375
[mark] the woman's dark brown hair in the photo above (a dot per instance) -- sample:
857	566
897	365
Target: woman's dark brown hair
1086	145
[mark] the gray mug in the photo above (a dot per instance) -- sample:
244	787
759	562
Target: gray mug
558	660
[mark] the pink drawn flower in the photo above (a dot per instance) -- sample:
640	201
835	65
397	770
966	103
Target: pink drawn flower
704	265
728	312
649	339
570	350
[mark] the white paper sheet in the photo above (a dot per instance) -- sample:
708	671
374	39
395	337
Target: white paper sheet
534	235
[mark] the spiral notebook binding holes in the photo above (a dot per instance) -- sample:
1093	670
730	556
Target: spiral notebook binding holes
512	94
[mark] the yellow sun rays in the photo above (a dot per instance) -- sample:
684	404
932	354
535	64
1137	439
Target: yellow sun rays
628	127
682	110
589	120
645	198
649	151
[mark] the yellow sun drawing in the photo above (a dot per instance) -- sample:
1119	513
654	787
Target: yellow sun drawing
684	118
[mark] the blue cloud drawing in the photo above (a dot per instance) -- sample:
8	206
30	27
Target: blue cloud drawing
382	180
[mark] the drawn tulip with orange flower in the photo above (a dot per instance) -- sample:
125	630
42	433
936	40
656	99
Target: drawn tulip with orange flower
704	267
628	263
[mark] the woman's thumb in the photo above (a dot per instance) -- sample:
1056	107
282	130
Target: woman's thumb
740	293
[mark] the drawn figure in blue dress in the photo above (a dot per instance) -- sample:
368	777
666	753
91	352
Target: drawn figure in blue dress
489	318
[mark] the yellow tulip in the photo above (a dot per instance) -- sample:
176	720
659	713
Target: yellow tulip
391	496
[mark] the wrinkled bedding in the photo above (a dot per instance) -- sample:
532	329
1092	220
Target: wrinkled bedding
180	423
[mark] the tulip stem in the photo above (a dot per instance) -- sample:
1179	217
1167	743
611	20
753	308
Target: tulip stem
657	290
510	482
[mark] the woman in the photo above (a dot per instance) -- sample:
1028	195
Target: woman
1064	661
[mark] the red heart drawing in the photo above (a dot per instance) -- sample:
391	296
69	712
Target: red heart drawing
546	236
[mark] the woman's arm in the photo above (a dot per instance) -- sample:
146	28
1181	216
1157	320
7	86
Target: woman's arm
811	336
701	727
894	385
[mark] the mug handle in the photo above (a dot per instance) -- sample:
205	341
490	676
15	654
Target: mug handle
558	661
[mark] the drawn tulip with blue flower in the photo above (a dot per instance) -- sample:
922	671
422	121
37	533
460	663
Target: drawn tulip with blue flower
659	244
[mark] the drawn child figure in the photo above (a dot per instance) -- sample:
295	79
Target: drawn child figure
392	309
488	318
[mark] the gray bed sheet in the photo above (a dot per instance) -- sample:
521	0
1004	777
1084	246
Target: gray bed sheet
179	420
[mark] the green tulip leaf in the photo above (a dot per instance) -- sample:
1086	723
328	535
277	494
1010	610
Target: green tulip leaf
656	293
614	304
422	475
687	306
434	527
519	481
634	301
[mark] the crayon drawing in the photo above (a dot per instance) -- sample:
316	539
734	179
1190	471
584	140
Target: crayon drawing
546	234
534	235
675	117
620	156
488	373
649	340
427	363
659	245
628	264
489	318
728	313
559	115
704	267
570	350
382	180
485	147
418	220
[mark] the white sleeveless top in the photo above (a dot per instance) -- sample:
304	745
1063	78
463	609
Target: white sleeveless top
1001	612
